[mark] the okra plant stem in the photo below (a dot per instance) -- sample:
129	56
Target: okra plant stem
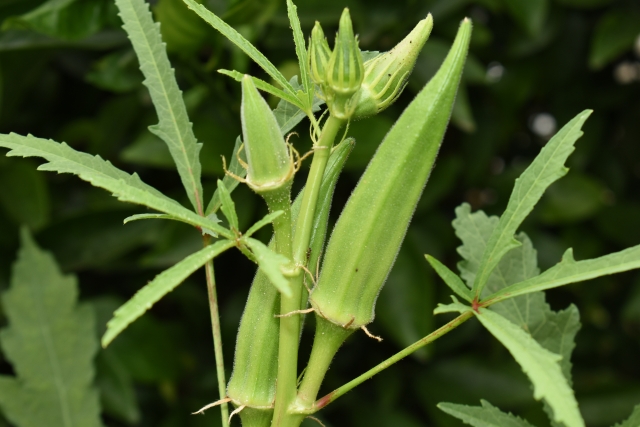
290	325
217	338
324	401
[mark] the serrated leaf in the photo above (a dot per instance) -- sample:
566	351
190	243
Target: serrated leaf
546	168
101	173
237	39
161	285
486	415
228	207
541	366
289	114
51	343
138	217
271	264
455	307
267	219
301	52
265	87
633	421
174	127
450	278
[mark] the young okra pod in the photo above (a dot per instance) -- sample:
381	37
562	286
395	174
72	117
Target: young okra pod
368	234
255	367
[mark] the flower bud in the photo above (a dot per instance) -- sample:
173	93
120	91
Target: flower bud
269	163
319	54
345	71
385	76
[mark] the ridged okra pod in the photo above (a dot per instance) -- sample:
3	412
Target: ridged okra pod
255	369
368	234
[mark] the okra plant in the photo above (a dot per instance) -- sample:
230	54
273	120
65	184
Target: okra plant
337	274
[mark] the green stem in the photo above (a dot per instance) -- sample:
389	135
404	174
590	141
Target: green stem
217	337
290	325
324	401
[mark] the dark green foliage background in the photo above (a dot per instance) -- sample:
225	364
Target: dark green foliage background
72	76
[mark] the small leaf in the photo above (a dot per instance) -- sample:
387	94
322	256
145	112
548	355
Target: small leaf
450	278
230	182
265	87
174	127
51	343
545	169
301	51
571	271
161	285
486	415
264	221
632	421
271	264
456	307
101	173
541	366
237	39
228	207
289	114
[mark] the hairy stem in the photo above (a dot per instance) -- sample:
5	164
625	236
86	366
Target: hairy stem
217	338
290	326
324	401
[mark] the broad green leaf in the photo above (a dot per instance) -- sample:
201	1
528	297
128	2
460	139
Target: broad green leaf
301	51
546	168
51	343
614	35
101	173
632	421
266	87
228	207
161	285
117	392
237	39
230	182
268	218
486	415
571	271
450	278
174	127
271	264
530	14
541	366
68	20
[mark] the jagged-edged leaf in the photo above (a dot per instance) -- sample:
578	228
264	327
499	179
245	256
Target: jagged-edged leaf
101	173
51	343
228	207
289	114
271	264
570	271
161	285
455	307
265	87
137	217
545	169
632	421
486	415
267	219
450	278
301	52
174	127
230	182
541	366
237	39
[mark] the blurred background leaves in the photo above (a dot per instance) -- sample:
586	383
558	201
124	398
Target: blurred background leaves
67	72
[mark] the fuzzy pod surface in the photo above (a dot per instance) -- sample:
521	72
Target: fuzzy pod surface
255	368
372	226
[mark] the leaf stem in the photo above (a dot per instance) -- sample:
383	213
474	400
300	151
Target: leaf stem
290	325
324	401
217	337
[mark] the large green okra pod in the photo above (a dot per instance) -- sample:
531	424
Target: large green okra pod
253	380
368	234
